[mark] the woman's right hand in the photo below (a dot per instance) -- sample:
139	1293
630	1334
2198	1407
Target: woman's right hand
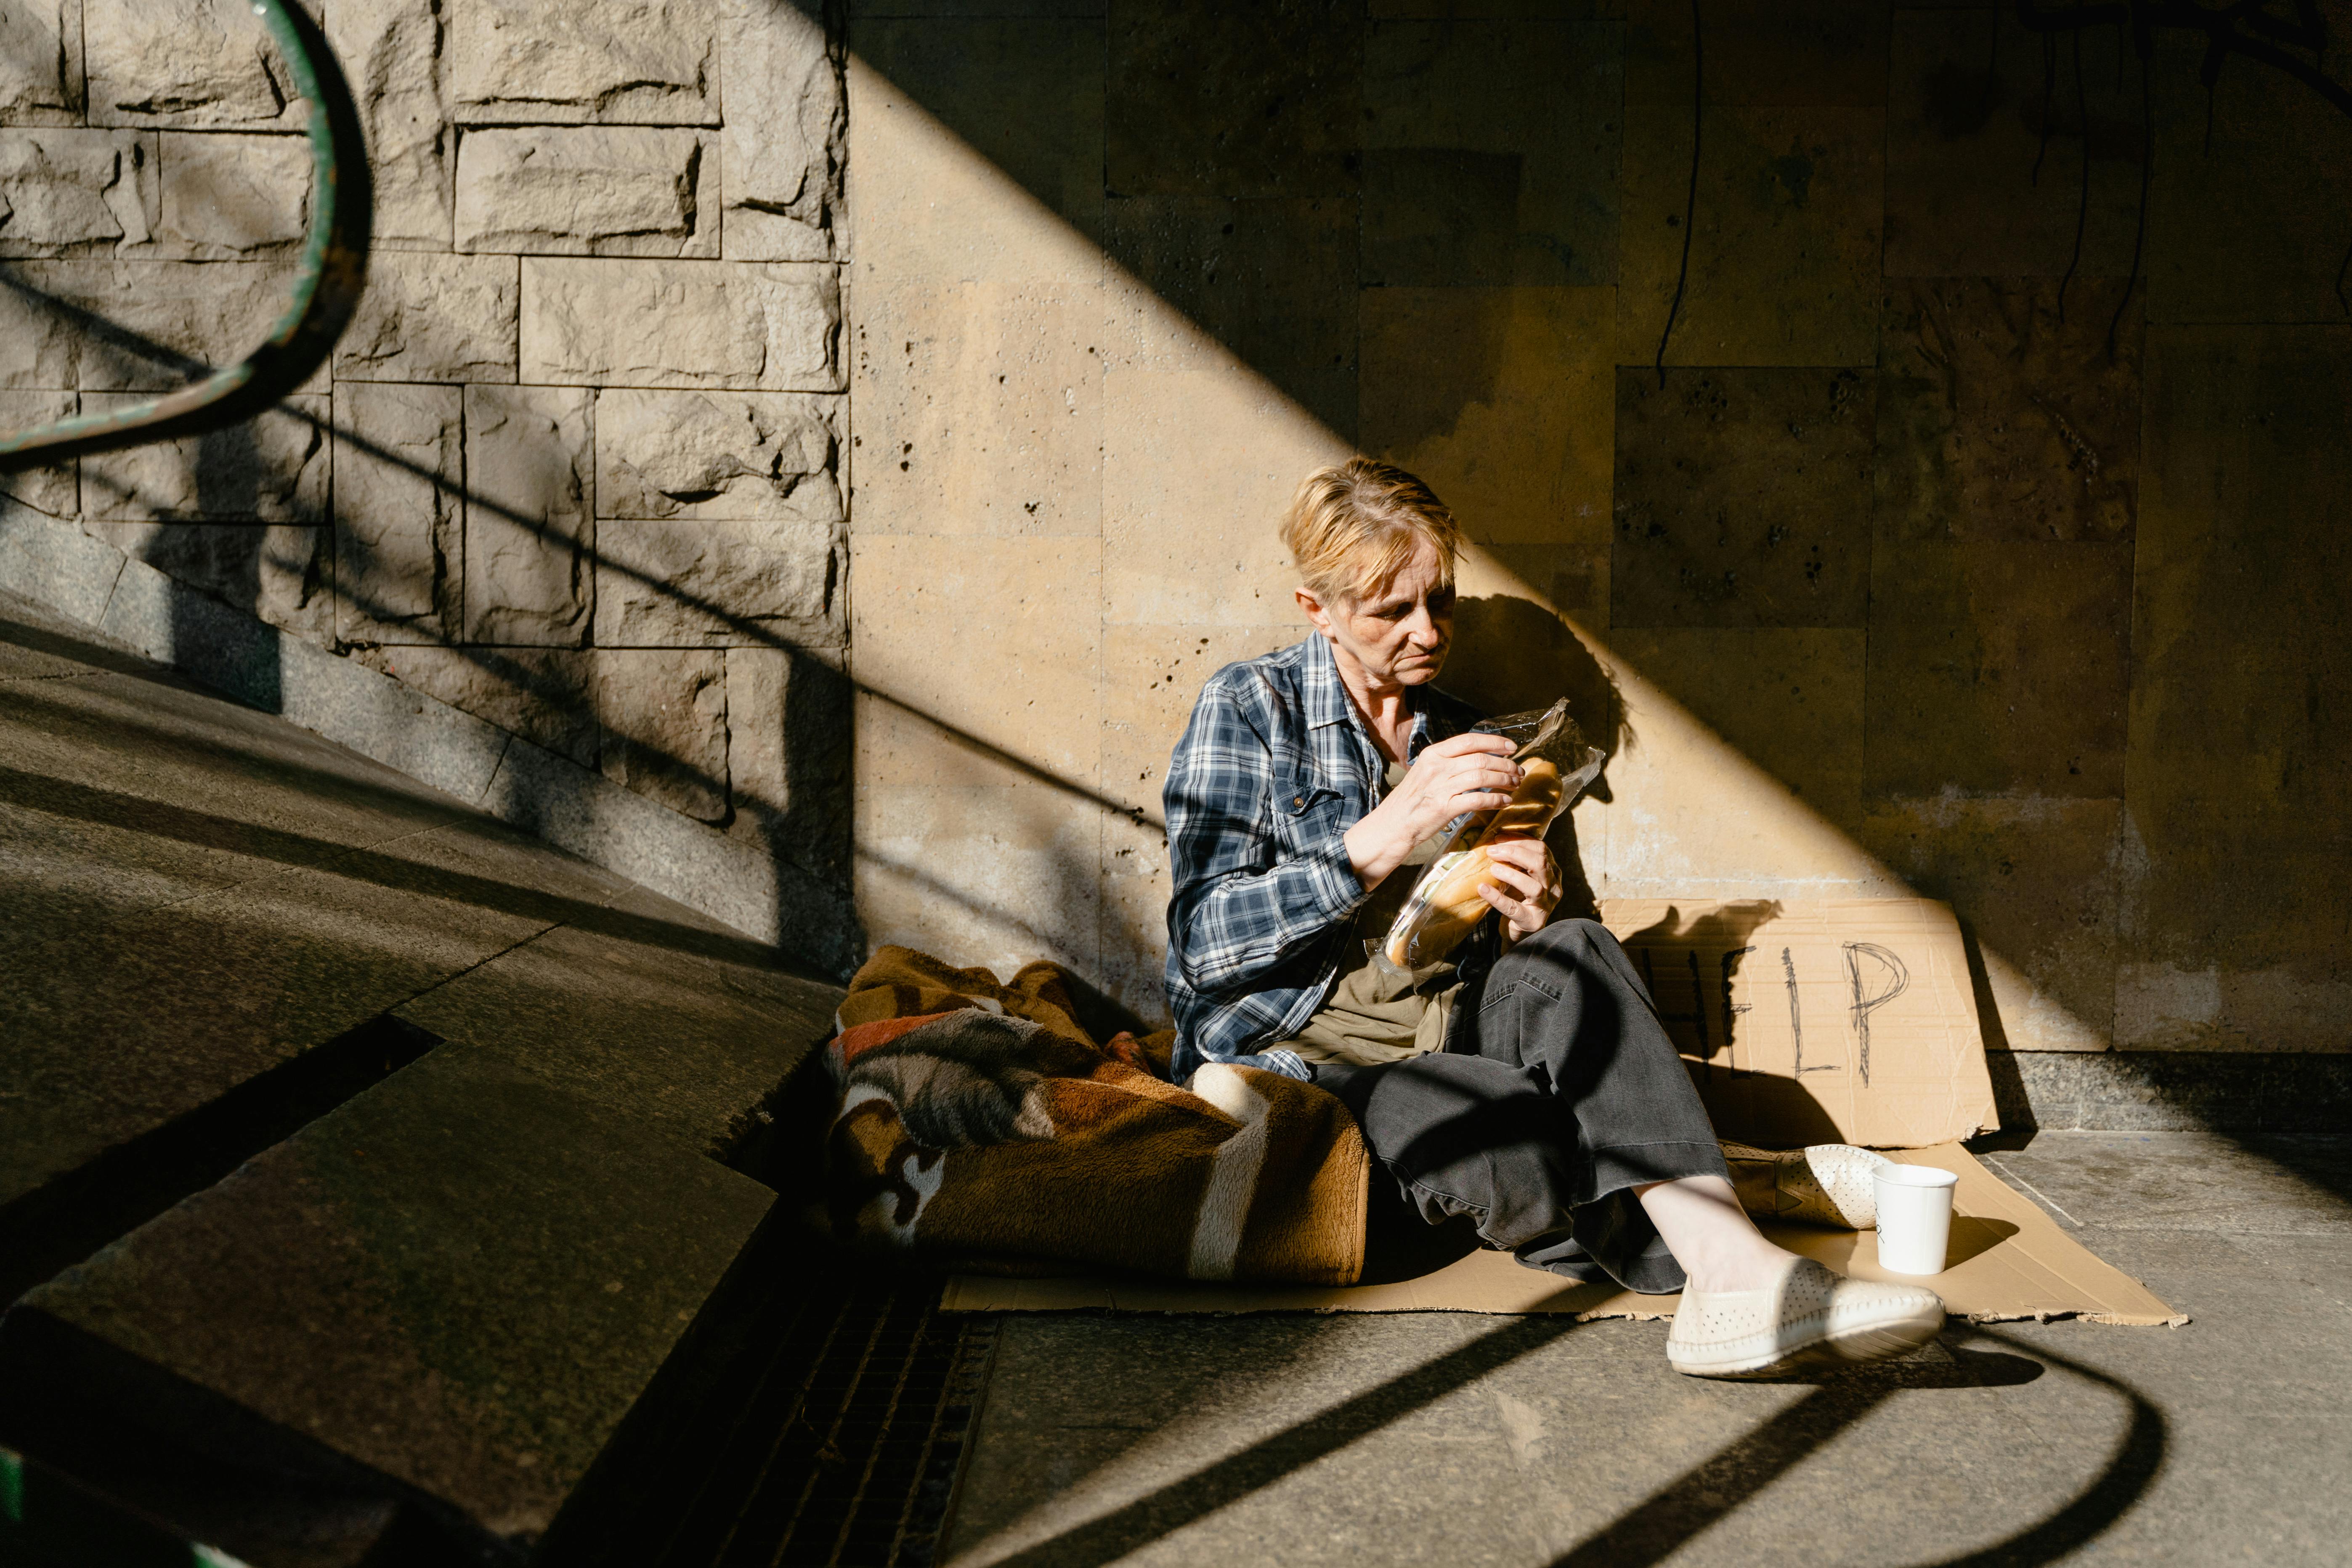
1462	772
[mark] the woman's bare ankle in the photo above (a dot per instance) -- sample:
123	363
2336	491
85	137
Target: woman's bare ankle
1758	1268
1719	1247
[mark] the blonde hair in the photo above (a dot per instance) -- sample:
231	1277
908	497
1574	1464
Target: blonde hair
1354	525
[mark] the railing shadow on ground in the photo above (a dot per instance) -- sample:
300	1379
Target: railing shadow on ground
1662	1523
1677	1512
1168	1508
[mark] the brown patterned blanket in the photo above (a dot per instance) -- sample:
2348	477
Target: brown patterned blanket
977	1125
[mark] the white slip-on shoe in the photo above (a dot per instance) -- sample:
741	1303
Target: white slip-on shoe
1811	1317
1826	1183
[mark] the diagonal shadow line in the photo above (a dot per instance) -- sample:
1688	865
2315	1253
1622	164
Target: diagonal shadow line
1658	1526
67	646
2129	1472
997	754
114	334
494	659
123	337
160	819
1166	1510
787	849
491	658
1669	1518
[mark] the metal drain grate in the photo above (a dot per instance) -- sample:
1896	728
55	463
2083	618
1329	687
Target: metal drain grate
847	1452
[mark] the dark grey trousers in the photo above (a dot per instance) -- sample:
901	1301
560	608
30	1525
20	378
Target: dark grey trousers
1555	1097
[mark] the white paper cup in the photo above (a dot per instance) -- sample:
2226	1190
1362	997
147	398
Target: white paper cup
1914	1218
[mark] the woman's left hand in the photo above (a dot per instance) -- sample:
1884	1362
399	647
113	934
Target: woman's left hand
1527	886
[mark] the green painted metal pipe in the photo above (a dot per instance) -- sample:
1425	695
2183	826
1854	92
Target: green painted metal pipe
334	269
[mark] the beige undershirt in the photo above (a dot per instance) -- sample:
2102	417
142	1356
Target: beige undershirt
1378	1012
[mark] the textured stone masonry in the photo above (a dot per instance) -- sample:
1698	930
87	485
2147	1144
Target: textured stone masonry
670	584
775	327
429	317
53	492
760	771
40	62
38	346
717	454
530	534
70	190
590	190
108	324
184	63
273	470
231	196
592	62
661	721
395	53
787	120
399	484
566	197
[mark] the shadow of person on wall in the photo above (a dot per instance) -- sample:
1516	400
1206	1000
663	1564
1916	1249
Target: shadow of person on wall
1689	961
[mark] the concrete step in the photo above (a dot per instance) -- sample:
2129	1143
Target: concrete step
451	1290
195	895
420	1129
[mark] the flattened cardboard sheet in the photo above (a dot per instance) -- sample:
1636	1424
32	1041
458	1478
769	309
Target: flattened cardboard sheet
1817	1021
2008	1260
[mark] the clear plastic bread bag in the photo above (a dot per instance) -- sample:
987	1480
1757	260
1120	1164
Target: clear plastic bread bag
1445	906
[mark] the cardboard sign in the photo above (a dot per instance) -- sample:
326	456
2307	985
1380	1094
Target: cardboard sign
1817	1021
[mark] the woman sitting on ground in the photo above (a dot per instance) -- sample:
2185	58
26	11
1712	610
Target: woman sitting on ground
1525	1079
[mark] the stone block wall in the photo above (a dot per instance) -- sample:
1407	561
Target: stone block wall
1976	530
577	469
1941	552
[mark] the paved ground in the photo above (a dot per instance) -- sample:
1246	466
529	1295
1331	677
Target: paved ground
347	1133
130	804
1468	1441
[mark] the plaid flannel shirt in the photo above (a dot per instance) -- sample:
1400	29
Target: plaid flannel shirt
1273	769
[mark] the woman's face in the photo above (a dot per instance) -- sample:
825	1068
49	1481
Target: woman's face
1401	632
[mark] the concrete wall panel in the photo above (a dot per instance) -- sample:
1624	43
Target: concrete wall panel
2235	831
1784	251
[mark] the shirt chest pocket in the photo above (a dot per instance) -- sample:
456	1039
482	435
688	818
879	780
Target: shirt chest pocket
1308	812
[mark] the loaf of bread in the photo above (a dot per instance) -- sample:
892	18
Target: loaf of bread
1455	906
